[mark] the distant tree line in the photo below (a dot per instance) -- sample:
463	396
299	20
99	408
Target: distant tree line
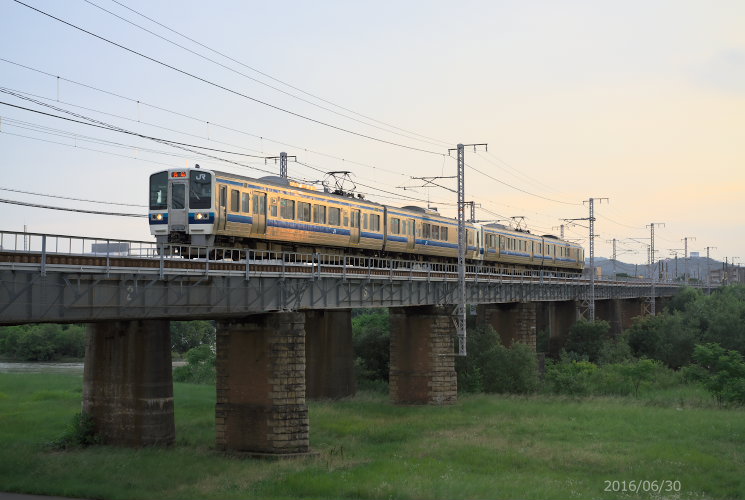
51	342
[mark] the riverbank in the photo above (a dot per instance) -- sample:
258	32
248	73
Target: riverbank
482	447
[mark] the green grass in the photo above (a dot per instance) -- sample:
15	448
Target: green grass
483	447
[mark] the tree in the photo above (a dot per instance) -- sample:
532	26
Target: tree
666	337
186	335
371	338
586	338
725	372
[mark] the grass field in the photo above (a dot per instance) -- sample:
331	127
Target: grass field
483	447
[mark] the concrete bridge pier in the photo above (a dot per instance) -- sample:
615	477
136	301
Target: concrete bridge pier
562	315
127	382
261	406
513	321
329	354
422	361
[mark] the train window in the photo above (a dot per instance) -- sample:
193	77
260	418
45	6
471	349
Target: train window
223	196
159	191
245	203
355	219
273	209
319	214
303	211
178	196
435	232
426	231
374	222
444	233
470	236
286	209
364	220
395	226
334	216
260	203
200	189
346	218
234	200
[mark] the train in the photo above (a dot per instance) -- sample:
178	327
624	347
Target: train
207	208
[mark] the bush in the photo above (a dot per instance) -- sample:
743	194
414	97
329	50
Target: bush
583	378
80	434
45	342
569	377
491	367
511	370
587	337
200	368
722	373
667	337
614	350
371	338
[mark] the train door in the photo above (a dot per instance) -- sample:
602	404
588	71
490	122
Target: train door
259	220
411	237
223	208
354	223
178	215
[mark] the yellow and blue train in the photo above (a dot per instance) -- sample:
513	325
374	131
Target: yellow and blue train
208	208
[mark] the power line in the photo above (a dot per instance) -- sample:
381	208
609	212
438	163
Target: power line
183	115
227	89
515	187
78	210
255	79
73	199
271	77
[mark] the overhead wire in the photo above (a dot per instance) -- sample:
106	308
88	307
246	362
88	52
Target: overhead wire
227	89
270	76
257	80
71	198
65	209
183	115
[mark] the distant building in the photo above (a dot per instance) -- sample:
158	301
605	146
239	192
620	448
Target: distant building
110	248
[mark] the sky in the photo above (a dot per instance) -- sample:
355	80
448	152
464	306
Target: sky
639	102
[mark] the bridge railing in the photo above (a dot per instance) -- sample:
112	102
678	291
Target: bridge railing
316	264
17	242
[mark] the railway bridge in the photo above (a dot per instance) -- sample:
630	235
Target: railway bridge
283	326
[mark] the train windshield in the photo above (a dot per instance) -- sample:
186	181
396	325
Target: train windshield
159	191
200	189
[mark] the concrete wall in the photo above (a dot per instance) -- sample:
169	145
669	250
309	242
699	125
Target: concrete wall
329	354
127	382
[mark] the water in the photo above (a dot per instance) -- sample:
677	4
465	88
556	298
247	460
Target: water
51	367
40	367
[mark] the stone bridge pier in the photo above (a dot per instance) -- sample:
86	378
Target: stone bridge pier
261	406
513	321
422	356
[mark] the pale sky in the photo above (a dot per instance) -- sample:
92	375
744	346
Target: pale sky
640	102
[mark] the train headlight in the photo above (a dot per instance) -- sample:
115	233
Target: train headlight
202	216
158	216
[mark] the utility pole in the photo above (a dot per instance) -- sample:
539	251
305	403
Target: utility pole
614	254
473	206
651	226
685	256
282	162
560	227
675	251
591	218
460	311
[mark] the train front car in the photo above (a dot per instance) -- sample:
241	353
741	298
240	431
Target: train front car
182	206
